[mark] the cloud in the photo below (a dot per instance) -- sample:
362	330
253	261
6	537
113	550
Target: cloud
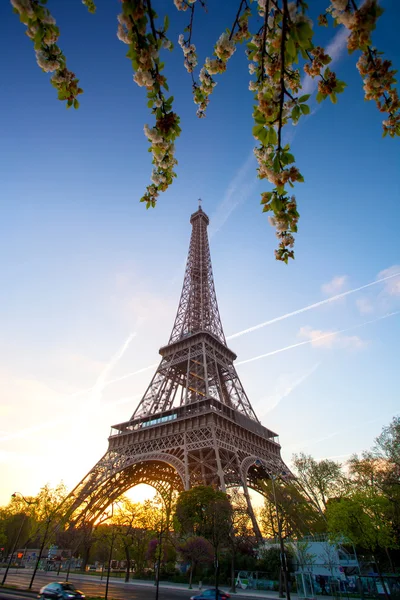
133	298
331	339
364	305
392	286
325	335
312	306
334	286
387	298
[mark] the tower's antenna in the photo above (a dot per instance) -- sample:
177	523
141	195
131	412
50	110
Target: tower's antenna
200	202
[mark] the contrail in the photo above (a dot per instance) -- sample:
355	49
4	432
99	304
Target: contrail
131	374
97	390
279	395
275	320
309	307
321	337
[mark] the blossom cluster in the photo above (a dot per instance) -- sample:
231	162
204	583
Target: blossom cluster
42	30
224	48
273	53
183	4
378	75
136	29
379	85
320	59
189	52
90	5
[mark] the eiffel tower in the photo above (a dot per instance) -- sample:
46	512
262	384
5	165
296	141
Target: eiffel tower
195	424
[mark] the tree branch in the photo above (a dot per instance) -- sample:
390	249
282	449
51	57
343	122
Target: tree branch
282	80
236	21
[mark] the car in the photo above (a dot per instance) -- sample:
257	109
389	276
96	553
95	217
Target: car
210	595
60	589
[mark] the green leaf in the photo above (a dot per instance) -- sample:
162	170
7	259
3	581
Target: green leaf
266	198
305	109
320	97
333	98
296	113
166	22
150	104
304	98
76	104
259	117
257	129
272	136
290	158
263	137
291	47
304	32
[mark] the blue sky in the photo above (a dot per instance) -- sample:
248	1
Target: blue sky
84	265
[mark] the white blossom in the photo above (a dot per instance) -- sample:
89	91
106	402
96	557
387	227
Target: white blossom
23	6
224	47
143	78
122	34
45	63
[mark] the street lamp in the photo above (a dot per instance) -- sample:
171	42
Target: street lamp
283	558
48	521
14	495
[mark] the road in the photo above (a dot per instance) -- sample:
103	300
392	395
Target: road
92	586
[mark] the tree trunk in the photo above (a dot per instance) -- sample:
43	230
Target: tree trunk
86	554
382	580
128	563
191	576
390	560
281	594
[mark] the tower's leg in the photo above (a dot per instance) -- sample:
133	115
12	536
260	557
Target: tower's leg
218	459
256	528
243	476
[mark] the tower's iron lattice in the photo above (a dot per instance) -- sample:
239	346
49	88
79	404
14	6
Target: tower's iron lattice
194	424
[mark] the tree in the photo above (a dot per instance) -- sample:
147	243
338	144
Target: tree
270	562
299	516
362	518
203	511
319	480
241	537
196	550
279	52
387	444
303	558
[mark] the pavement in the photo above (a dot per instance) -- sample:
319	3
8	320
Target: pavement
135	589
